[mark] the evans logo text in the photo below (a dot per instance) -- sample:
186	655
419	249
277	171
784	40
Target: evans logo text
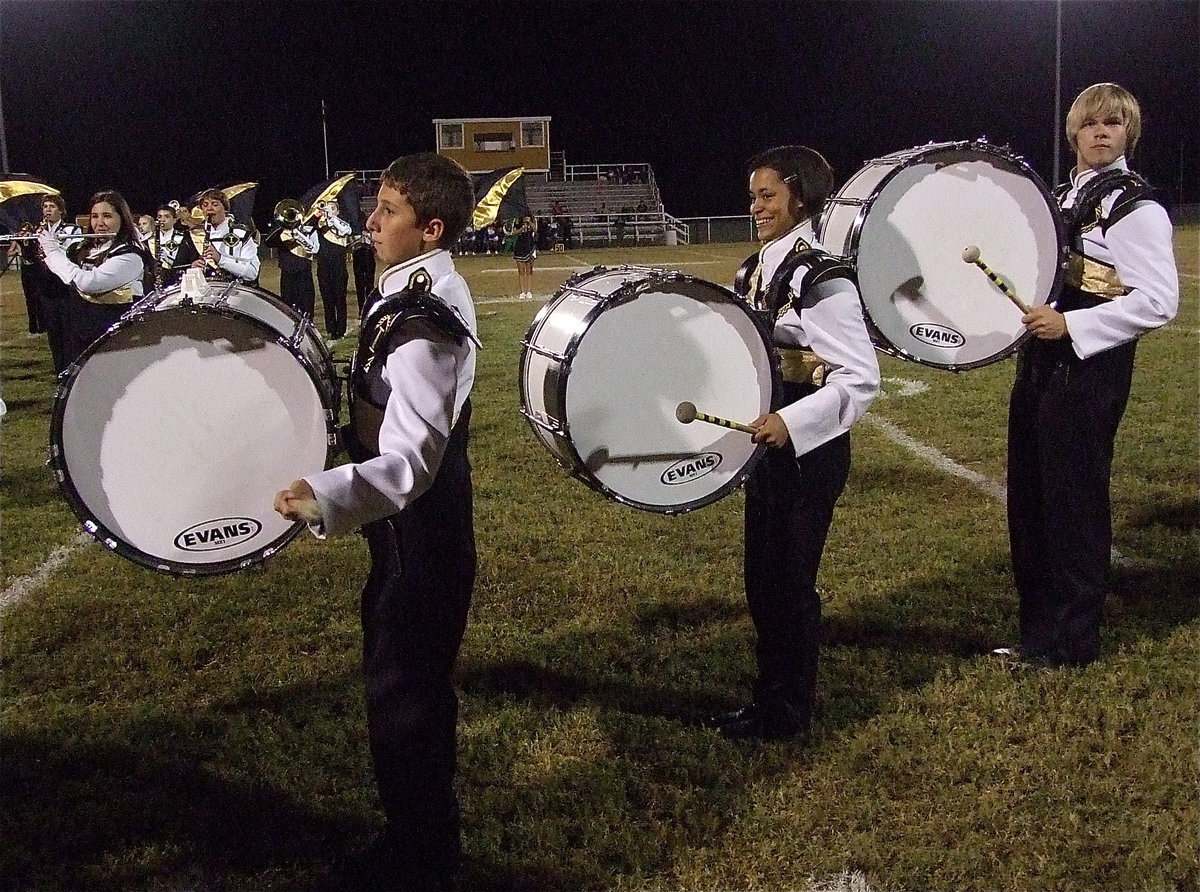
936	335
691	468
213	535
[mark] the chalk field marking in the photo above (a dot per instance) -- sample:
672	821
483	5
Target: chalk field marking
23	585
947	465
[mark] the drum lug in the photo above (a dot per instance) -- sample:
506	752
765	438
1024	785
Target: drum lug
549	354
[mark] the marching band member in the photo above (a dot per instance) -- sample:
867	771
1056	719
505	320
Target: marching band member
830	378
145	224
105	273
171	250
410	493
43	290
331	268
362	259
295	269
1073	380
226	245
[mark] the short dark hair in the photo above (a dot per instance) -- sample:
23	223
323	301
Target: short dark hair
170	210
217	194
437	188
58	201
805	170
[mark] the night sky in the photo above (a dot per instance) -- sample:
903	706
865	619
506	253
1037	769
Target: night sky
162	99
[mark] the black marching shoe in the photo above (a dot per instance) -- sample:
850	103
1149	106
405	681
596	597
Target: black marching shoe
776	718
1018	658
378	867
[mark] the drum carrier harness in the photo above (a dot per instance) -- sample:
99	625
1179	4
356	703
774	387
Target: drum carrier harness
387	323
1090	282
799	366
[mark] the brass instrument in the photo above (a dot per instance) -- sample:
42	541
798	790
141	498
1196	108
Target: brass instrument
289	213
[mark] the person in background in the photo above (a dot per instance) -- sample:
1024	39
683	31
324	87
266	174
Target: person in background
362	258
104	274
1073	381
525	253
227	246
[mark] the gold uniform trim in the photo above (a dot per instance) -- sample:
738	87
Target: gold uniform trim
801	366
1093	277
122	295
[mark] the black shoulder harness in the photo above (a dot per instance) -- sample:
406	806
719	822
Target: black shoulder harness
822	267
1085	212
383	328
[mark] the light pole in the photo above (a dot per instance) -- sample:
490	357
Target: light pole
1057	87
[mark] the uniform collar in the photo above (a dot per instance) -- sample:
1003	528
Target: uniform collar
1080	177
437	263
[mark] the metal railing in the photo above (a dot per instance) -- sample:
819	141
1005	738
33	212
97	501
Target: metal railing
709	230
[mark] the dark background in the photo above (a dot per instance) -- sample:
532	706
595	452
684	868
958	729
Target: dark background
162	99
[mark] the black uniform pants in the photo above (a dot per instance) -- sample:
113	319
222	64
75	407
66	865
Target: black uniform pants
414	615
789	508
33	285
1063	419
333	278
296	288
364	275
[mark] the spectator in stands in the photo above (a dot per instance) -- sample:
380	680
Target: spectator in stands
565	234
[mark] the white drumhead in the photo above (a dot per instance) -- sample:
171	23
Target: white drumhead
178	430
918	292
638	360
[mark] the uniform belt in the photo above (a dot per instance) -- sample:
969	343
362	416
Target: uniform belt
801	366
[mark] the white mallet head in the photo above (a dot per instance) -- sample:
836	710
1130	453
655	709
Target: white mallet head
970	254
686	412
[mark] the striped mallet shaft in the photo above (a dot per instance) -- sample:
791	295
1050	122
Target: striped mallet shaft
686	412
970	254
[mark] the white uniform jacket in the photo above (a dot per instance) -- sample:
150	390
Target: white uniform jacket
240	261
100	275
1139	247
430	381
834	329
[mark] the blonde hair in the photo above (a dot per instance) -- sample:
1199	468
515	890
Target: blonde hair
1100	101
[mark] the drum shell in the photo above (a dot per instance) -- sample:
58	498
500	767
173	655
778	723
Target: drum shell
147	407
903	221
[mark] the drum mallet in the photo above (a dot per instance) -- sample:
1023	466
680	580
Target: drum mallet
686	412
970	254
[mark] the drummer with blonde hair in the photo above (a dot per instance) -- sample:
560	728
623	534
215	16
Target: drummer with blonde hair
1073	381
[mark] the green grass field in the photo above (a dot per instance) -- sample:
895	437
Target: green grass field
161	733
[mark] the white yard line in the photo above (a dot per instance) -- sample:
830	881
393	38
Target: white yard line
944	463
20	587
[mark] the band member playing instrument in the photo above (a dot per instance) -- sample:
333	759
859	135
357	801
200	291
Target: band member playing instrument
1073	380
524	253
145	224
170	248
105	273
331	268
295	269
830	378
43	290
409	491
226	246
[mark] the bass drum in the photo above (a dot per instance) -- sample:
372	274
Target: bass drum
903	222
608	360
173	431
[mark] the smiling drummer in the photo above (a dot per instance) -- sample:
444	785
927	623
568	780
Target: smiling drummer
830	378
